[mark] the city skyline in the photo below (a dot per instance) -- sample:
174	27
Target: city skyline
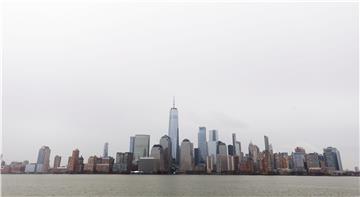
287	71
140	147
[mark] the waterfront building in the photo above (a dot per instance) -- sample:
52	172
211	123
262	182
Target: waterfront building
106	150
186	156
174	132
104	165
132	142
165	143
148	165
230	162
236	163
254	152
43	160
221	163
212	144
30	168
221	158
73	161
221	148
312	160
247	165
299	159
237	149
123	162
332	159
157	153
281	161
202	145
231	149
210	165
266	140
234	151
197	159
57	161
141	146
91	164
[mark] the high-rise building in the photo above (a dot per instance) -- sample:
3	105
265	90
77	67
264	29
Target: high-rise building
212	144
165	143
186	156
231	150
266	139
312	160
57	161
106	150
202	144
237	149
158	154
174	132
73	163
132	142
221	157
148	165
234	144
141	147
332	159
213	135
197	158
123	162
43	160
299	159
253	152
221	148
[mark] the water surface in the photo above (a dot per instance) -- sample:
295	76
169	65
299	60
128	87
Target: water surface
179	185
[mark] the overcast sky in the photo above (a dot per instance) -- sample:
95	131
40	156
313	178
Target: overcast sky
76	75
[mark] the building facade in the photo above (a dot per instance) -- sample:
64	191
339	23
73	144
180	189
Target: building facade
186	156
174	132
202	145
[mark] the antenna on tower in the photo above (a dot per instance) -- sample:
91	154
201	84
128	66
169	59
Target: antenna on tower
173	101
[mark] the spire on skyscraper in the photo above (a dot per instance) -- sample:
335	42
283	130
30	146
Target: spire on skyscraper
173	101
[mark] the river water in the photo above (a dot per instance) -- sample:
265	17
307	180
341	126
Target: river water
179	185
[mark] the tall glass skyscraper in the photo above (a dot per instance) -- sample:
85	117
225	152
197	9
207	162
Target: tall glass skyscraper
202	144
266	140
174	132
43	160
141	146
332	158
106	150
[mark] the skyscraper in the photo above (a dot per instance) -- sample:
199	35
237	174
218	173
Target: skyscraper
186	156
141	146
266	139
57	161
174	132
43	160
106	149
221	157
132	141
234	144
237	148
202	144
158	154
332	159
299	159
73	164
212	144
165	143
231	149
213	135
